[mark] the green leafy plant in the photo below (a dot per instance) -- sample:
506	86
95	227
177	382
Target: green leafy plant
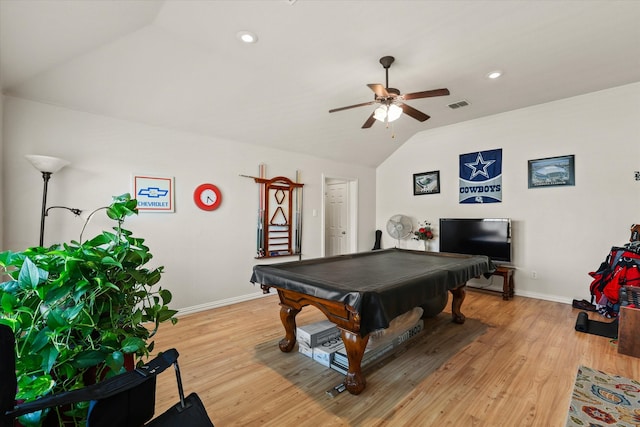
78	309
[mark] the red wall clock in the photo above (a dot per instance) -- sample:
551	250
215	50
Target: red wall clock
207	197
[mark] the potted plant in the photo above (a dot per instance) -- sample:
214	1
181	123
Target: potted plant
78	310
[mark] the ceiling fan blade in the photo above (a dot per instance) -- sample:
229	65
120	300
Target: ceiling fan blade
352	106
378	89
410	111
426	94
370	121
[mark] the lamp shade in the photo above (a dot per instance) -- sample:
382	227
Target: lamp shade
46	163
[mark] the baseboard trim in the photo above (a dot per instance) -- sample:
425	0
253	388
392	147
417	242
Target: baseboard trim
220	303
545	297
526	294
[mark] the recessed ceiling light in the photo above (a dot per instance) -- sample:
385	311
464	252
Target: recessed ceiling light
247	36
494	74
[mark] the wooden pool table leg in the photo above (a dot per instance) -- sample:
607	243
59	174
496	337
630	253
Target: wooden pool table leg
355	345
288	318
458	298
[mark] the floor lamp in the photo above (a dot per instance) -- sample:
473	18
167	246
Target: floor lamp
48	166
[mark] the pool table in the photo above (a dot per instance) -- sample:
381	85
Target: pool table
361	293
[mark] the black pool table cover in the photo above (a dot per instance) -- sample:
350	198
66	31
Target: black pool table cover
379	285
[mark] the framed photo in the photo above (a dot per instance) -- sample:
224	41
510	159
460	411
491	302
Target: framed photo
426	183
552	172
154	193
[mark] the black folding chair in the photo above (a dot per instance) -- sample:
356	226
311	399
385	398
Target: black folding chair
126	400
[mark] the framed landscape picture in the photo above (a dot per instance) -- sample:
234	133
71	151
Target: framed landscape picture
426	183
552	172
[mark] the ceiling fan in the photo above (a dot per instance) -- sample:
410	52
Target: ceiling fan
390	100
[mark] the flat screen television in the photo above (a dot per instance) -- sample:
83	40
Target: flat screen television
477	236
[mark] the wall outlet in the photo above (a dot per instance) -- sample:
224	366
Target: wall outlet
534	274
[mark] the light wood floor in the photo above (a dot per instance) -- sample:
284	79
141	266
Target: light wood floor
512	364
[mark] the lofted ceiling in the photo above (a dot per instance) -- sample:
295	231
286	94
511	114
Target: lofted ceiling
179	65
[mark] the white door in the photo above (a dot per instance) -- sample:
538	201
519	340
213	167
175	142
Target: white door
337	218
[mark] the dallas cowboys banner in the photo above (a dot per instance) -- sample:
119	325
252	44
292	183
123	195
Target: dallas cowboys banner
481	177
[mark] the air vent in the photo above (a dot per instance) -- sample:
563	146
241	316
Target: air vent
456	105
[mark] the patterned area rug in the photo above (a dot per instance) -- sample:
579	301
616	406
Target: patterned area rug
600	399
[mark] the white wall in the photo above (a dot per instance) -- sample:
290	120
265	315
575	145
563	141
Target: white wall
560	233
1	170
208	256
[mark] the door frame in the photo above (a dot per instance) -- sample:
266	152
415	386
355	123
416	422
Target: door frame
352	215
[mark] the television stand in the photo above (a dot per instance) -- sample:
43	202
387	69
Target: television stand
506	273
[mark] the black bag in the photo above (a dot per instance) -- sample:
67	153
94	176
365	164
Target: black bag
8	382
189	412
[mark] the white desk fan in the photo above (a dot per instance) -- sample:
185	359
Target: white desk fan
399	227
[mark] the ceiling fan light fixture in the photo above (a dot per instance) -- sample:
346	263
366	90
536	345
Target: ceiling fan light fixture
387	113
394	112
380	113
